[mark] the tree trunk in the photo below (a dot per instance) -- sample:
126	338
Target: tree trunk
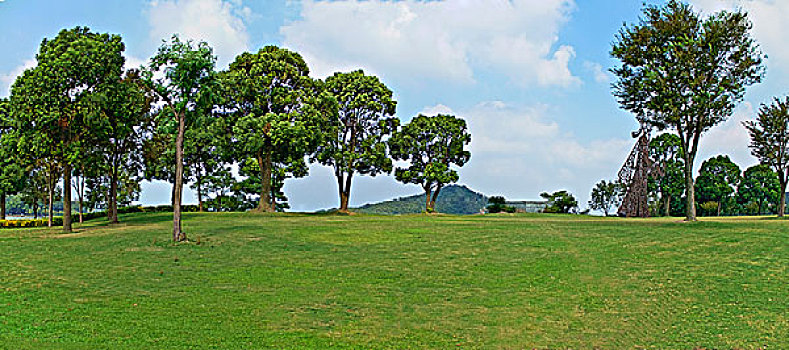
113	200
178	235
51	198
345	191
690	191
67	197
265	183
782	204
2	206
720	204
35	210
435	198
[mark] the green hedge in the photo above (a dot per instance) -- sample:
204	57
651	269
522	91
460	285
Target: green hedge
58	220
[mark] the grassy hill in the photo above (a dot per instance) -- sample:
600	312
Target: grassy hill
295	281
453	199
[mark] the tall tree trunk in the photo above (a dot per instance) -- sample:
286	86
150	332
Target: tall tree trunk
2	206
113	200
178	235
67	197
690	191
782	204
720	204
35	210
51	197
265	165
345	191
435	197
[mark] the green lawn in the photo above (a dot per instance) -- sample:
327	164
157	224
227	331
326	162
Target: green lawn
412	282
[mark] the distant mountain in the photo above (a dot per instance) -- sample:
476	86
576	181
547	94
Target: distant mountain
453	199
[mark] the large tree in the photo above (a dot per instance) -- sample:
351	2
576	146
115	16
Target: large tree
181	75
685	72
770	142
54	102
276	112
432	145
355	142
124	110
759	187
669	182
717	181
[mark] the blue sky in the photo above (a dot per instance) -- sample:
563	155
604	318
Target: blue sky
530	76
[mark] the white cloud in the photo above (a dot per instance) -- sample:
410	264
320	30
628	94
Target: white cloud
597	71
439	40
519	152
7	79
220	23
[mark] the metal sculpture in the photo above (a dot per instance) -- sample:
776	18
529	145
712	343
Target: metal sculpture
634	176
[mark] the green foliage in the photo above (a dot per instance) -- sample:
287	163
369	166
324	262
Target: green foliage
717	181
275	111
453	199
54	104
497	204
669	182
354	142
606	196
12	177
759	189
770	142
685	72
561	202
431	145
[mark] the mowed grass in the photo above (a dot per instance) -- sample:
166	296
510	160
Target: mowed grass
293	281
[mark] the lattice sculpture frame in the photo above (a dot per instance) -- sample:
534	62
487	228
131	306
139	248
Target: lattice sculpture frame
635	174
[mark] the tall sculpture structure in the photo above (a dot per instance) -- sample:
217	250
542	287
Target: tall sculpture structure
634	176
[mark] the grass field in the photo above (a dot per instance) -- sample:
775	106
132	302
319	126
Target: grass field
293	281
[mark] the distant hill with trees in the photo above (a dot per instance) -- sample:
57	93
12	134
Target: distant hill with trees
453	199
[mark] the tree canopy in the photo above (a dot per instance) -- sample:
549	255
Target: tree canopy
770	142
759	188
355	141
54	102
685	72
605	196
717	181
277	112
431	145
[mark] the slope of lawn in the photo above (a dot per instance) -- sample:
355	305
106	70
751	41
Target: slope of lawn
293	281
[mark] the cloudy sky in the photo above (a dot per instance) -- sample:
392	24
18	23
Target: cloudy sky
529	76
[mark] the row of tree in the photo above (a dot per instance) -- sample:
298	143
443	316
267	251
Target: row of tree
721	187
685	73
79	119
